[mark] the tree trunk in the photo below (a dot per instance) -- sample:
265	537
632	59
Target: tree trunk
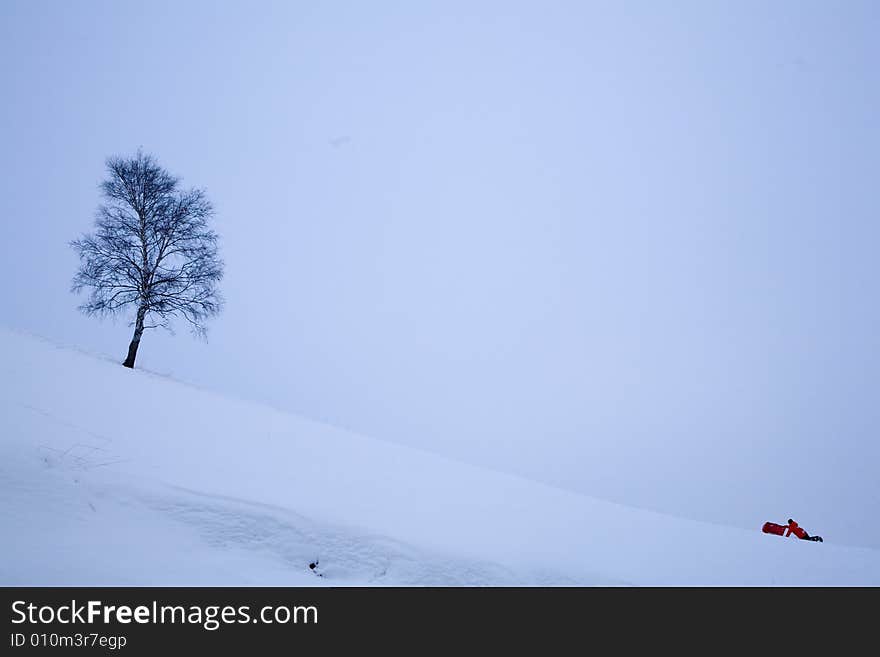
136	339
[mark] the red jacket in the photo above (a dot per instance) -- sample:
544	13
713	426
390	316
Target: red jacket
794	528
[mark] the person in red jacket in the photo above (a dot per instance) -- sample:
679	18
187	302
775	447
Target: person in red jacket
800	532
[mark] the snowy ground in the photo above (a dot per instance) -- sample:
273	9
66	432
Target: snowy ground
113	477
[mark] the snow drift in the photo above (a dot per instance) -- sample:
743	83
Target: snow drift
110	476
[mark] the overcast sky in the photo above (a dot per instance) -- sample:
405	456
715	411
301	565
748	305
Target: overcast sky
628	248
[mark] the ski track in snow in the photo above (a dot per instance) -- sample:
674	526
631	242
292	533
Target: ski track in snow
343	557
291	541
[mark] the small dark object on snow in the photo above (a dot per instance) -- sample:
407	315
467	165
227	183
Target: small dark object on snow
312	567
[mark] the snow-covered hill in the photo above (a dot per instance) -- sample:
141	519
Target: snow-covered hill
113	477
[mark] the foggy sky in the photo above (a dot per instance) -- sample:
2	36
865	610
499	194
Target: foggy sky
626	248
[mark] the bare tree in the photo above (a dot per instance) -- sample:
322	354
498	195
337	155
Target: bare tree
152	251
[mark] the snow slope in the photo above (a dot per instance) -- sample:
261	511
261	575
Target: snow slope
113	477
